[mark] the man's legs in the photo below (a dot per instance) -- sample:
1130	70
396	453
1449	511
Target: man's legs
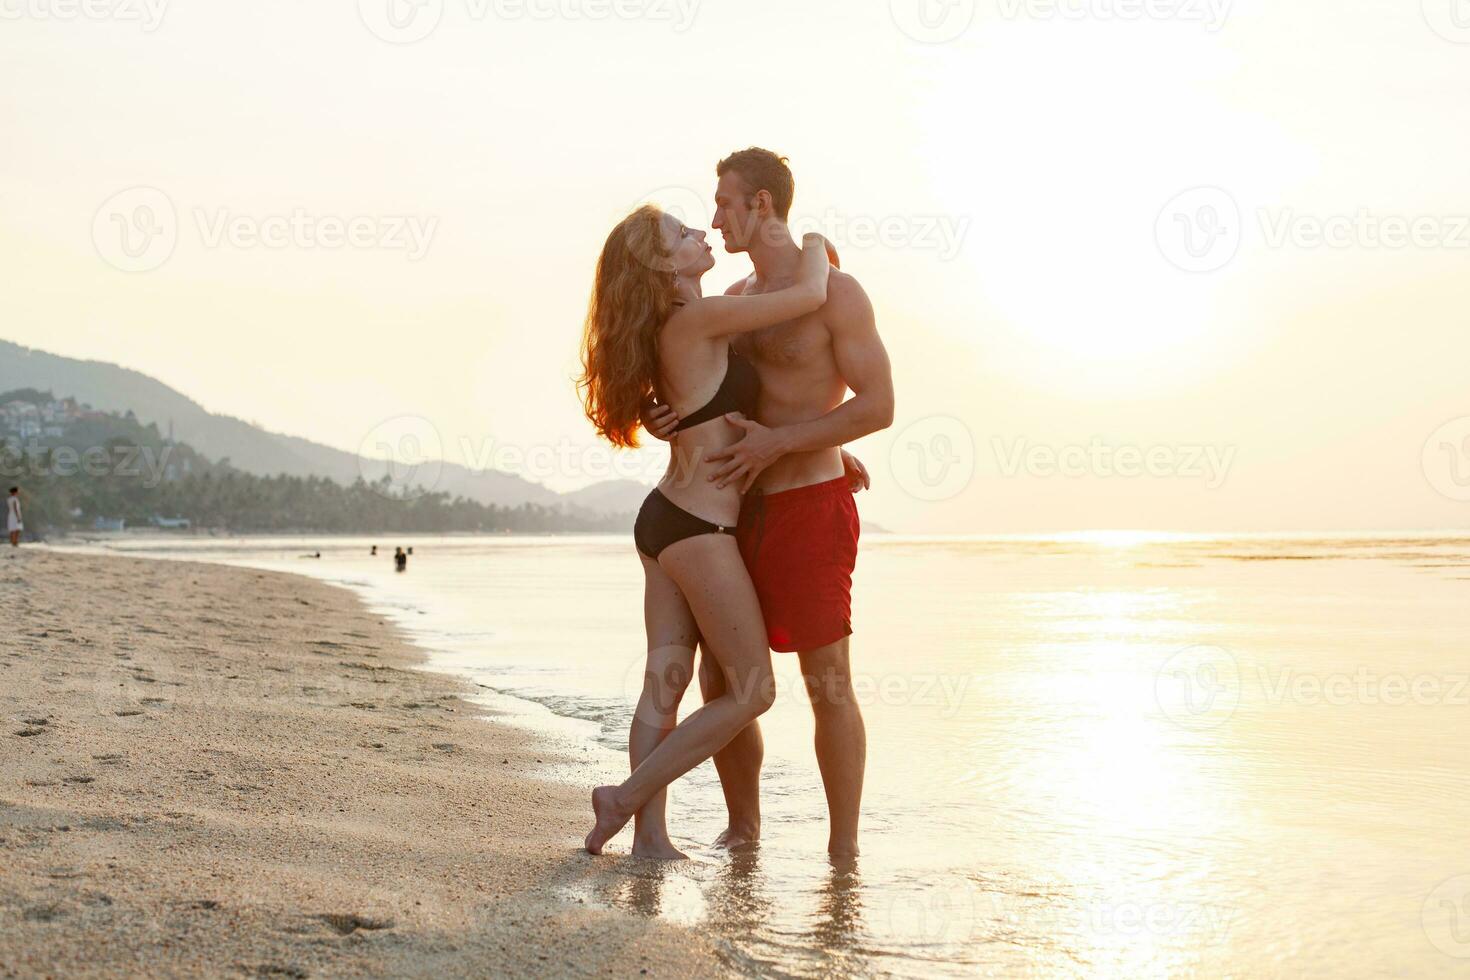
738	763
841	741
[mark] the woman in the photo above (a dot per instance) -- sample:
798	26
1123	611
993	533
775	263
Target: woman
650	330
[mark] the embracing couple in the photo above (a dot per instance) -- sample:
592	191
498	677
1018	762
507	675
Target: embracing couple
749	542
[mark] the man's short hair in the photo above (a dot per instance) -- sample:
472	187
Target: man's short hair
15	489
763	170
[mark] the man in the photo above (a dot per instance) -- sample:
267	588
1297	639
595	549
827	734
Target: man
799	526
13	522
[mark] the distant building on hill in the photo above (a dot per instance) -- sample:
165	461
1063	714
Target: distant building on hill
29	419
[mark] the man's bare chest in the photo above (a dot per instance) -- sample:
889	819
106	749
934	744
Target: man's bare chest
795	342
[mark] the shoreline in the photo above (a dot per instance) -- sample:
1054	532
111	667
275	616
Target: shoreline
237	772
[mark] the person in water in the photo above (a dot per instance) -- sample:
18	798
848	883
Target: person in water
400	560
650	330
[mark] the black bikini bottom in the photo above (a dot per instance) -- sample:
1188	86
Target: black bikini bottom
661	523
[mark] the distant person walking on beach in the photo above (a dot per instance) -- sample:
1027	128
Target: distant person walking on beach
799	524
650	330
13	523
400	560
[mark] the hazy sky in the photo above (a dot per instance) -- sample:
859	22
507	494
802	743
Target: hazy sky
1278	350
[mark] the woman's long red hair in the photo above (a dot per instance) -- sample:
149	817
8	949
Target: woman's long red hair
632	298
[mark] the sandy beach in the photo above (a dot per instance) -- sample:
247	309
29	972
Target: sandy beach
219	771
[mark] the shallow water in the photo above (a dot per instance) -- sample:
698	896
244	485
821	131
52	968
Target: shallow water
1113	755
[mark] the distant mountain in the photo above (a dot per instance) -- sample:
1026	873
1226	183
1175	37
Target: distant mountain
110	388
610	497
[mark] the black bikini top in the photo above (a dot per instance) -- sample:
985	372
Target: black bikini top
738	393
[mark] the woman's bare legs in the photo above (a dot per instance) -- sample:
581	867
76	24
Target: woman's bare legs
710	573
672	637
739	766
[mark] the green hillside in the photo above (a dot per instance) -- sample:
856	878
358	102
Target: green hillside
77	466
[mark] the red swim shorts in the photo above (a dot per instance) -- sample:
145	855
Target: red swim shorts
801	548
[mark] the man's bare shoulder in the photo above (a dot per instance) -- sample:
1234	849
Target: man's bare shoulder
846	296
739	288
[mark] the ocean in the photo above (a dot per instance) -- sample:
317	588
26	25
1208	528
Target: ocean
1108	755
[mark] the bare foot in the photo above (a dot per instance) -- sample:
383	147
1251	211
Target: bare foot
610	819
735	837
657	849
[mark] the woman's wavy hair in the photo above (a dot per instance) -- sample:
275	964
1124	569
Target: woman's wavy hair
632	298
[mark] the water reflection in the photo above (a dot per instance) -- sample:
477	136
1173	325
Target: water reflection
839	923
1085	803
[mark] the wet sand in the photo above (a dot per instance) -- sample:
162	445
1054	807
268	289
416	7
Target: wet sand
219	771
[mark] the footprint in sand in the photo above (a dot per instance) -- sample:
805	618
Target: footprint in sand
346	925
80	780
274	970
127	714
30	732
